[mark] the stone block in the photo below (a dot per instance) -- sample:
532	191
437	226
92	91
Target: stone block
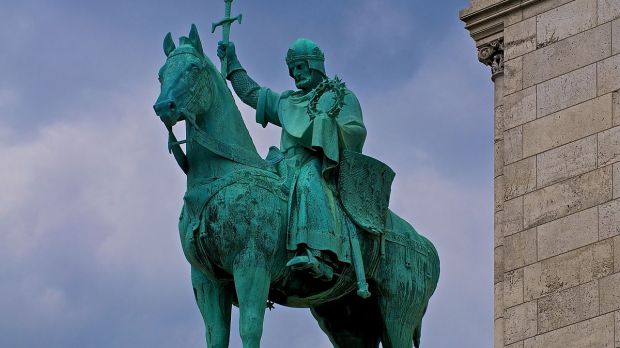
519	178
609	146
568	233
519	249
609	219
498	265
568	307
566	90
616	106
566	161
615	37
520	38
515	345
567	55
610	293
617	320
567	125
594	333
499	193
498	229
608	10
519	108
498	123
498	333
498	304
608	75
568	270
513	145
498	158
513	75
513	288
539	7
513	17
566	20
520	322
567	197
616	189
512	218
616	240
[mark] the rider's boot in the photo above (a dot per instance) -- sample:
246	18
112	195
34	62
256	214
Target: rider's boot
313	264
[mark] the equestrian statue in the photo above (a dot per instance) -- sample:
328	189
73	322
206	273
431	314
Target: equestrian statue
309	225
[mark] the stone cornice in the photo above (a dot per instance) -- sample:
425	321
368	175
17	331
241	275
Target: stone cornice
487	23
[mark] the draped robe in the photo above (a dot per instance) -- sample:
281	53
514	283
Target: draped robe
312	149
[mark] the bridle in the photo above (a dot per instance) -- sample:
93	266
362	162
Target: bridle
232	152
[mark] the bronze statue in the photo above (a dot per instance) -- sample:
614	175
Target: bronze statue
307	226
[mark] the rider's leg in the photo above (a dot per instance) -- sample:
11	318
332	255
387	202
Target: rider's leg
314	227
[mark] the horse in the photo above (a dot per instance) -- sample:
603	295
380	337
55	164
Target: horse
233	228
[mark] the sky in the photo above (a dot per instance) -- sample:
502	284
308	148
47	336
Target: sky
89	196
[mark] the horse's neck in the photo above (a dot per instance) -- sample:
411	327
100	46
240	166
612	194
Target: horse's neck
224	124
225	120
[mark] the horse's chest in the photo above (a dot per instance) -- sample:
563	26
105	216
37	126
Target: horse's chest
231	224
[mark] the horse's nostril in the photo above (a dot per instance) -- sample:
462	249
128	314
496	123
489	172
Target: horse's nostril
171	106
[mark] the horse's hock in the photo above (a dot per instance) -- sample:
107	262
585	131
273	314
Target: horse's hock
555	65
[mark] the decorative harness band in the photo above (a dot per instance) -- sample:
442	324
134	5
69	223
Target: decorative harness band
232	152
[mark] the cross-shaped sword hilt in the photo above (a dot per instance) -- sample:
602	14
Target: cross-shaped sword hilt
225	24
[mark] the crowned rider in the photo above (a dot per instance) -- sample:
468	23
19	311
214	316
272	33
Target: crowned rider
318	121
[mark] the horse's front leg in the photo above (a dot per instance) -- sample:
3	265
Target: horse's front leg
252	283
214	300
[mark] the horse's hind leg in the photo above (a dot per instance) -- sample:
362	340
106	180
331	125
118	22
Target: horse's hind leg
214	300
252	284
397	330
350	322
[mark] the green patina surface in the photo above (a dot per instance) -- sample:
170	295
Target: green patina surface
309	226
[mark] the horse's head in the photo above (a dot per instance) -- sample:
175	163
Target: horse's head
186	86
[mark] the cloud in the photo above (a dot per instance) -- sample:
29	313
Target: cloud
388	24
89	240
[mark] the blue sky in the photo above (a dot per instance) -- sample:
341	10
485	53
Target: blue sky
89	251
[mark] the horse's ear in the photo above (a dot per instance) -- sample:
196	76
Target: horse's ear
195	39
168	44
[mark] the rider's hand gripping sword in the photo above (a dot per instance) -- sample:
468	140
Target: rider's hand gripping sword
225	24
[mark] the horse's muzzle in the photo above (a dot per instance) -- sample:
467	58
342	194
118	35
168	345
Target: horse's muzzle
167	111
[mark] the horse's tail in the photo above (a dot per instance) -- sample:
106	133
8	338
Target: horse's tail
432	271
427	268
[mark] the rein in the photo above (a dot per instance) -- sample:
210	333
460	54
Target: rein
232	152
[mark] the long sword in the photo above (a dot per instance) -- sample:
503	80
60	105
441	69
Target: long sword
225	24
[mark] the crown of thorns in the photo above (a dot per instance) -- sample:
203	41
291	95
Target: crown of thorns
335	87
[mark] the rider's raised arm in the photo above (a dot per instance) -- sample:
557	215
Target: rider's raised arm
245	87
262	99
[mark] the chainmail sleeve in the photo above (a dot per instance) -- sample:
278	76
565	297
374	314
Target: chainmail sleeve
246	88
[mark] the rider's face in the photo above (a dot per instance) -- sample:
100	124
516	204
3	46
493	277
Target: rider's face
302	74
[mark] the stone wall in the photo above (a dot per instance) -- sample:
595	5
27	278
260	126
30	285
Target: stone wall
556	70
